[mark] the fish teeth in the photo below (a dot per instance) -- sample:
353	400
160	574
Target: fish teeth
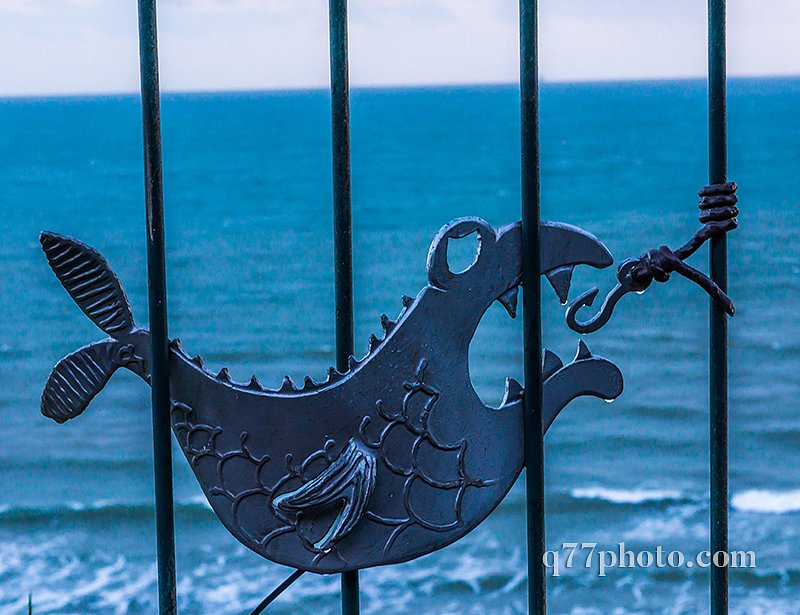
224	375
352	363
512	393
561	279
255	384
176	344
287	386
198	360
308	383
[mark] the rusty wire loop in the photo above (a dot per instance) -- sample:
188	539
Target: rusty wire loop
718	213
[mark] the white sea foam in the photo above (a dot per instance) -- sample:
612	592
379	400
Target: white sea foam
654	530
753	500
763	501
200	500
627	496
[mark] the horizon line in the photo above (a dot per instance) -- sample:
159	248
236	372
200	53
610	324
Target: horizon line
389	86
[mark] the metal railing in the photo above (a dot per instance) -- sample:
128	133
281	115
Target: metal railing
718	322
157	295
343	270
532	303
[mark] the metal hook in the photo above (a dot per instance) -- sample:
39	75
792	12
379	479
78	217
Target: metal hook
718	213
625	284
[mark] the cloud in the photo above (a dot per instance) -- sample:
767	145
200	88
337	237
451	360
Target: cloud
37	7
20	7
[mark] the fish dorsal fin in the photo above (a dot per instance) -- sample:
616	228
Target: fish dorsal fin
90	282
76	379
347	483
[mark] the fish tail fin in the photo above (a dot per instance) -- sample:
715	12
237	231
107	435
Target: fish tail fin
77	379
95	288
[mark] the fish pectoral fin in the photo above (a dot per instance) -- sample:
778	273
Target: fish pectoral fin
347	483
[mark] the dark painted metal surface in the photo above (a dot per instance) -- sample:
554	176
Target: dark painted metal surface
718	213
718	325
389	461
157	292
343	226
531	300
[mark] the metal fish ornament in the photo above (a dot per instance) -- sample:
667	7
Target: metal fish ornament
389	461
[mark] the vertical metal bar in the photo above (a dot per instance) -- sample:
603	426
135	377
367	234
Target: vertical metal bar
342	223
157	292
718	337
531	300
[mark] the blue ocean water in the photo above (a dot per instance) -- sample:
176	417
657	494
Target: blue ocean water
247	180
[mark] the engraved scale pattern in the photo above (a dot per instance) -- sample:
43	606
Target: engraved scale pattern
420	430
199	442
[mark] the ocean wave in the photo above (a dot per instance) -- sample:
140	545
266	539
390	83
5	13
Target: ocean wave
595	498
655	529
581	498
751	501
105	509
631	496
768	502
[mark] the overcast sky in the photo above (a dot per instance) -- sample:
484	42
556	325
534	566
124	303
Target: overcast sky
83	46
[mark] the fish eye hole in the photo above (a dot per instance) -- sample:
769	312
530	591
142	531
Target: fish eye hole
463	252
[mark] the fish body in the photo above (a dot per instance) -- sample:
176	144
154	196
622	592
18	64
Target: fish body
389	461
